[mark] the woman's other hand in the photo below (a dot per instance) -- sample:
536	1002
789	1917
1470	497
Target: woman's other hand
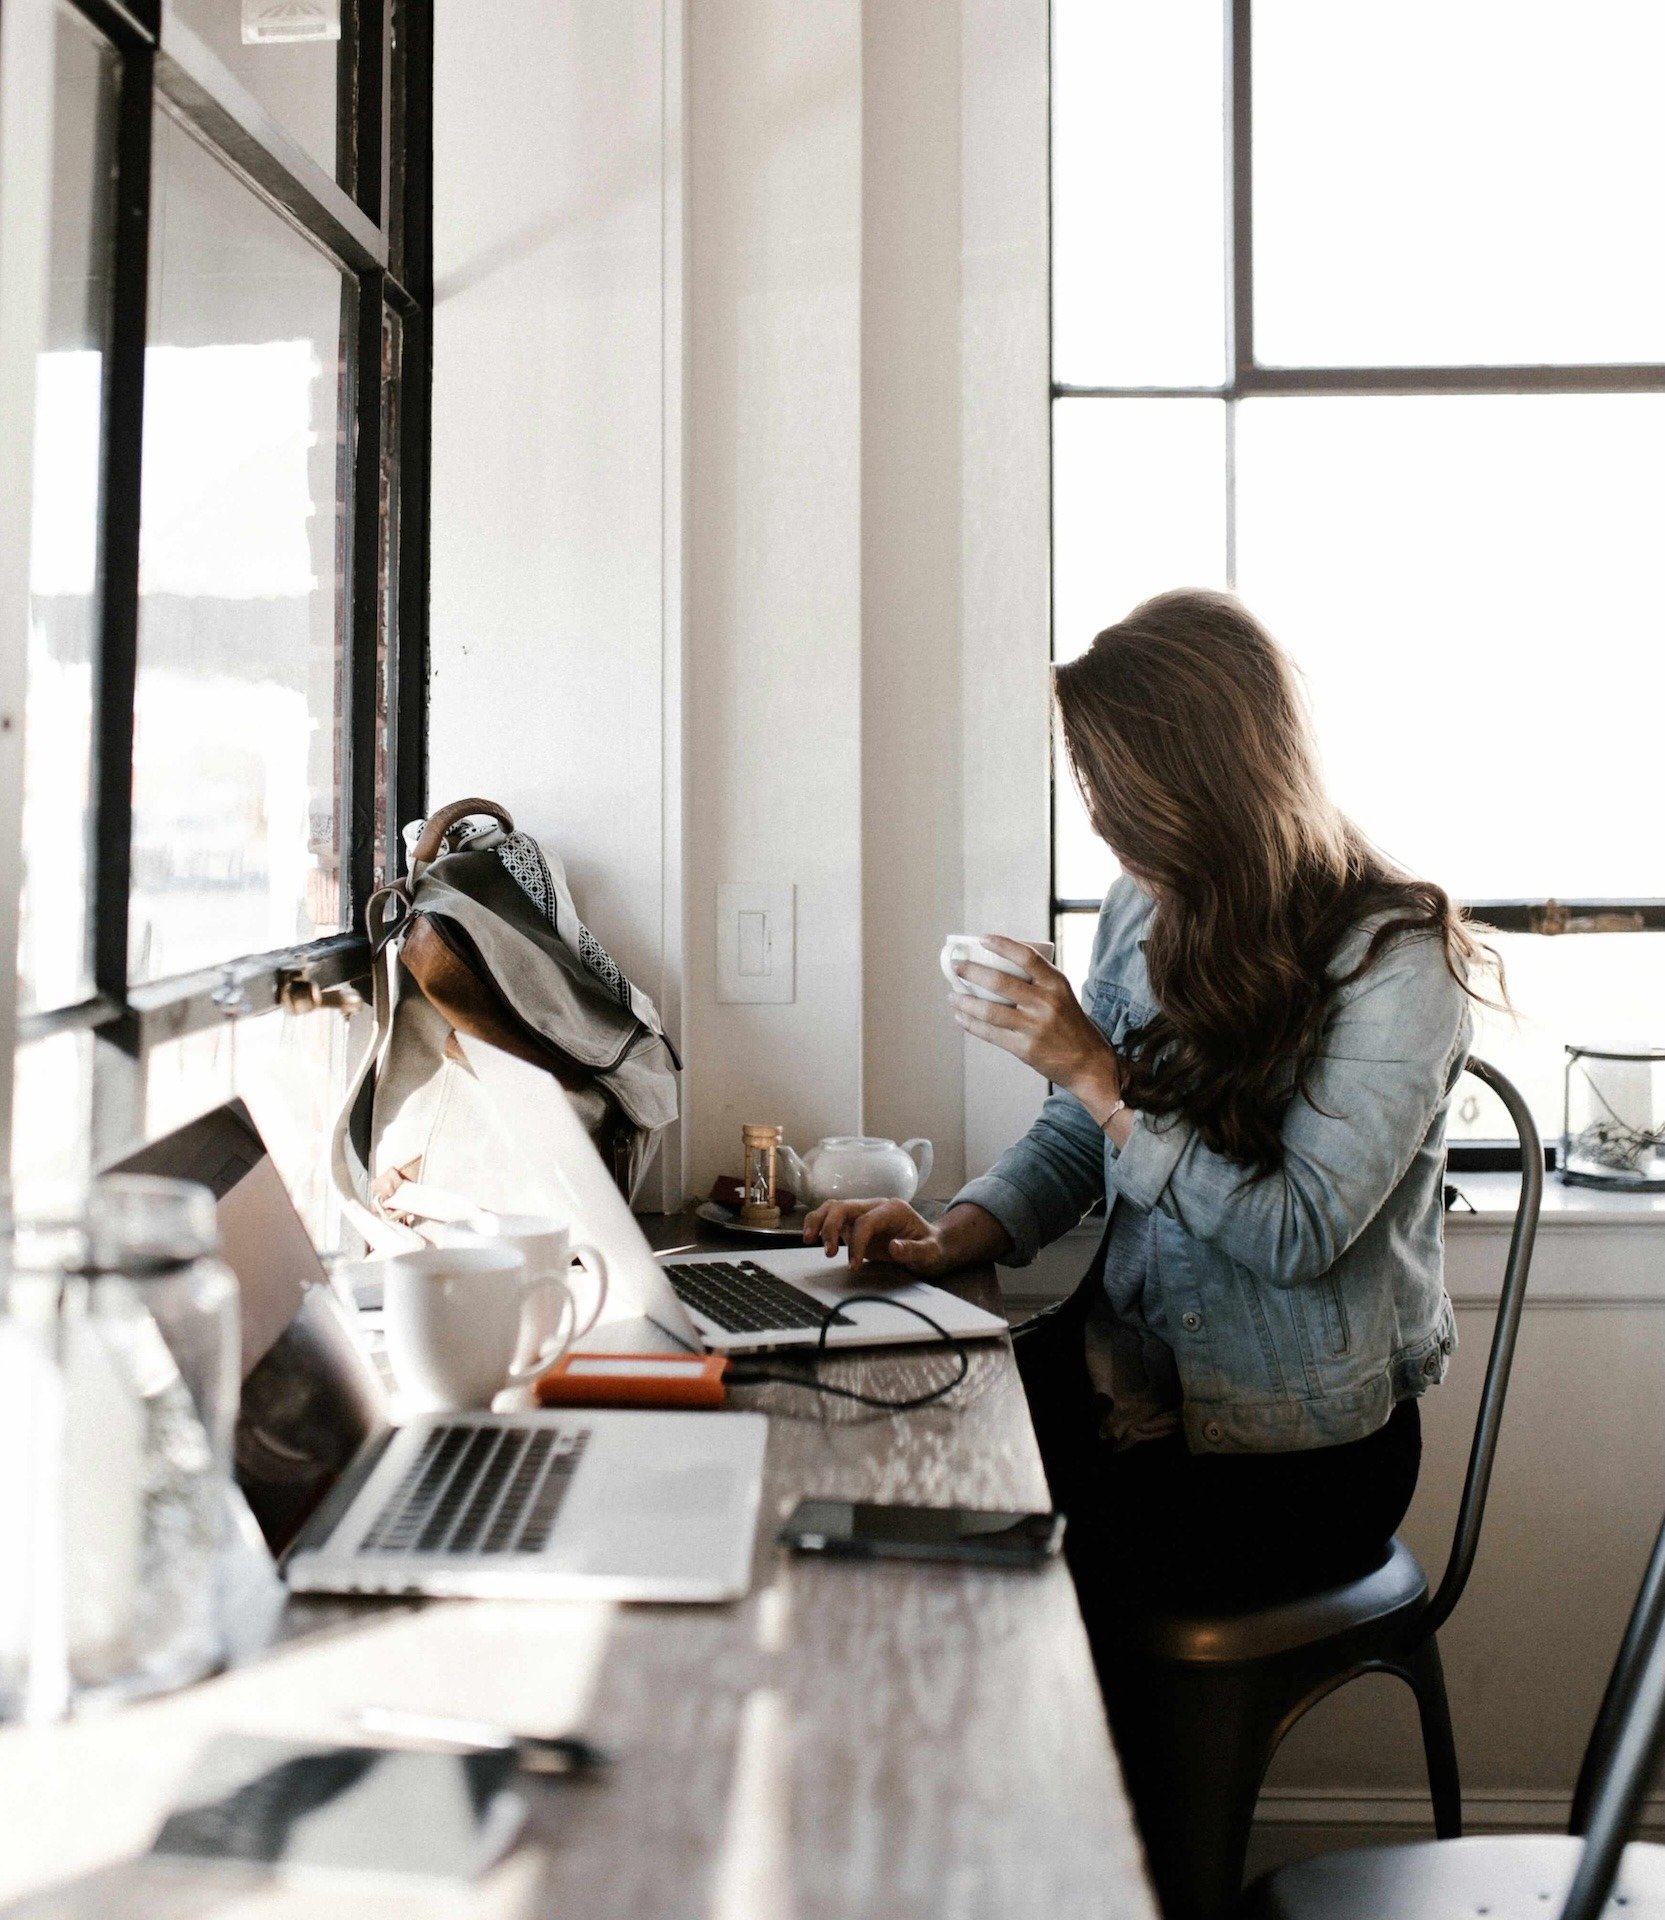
879	1230
891	1230
1045	1028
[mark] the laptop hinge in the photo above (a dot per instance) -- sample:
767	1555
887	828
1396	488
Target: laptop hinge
332	1509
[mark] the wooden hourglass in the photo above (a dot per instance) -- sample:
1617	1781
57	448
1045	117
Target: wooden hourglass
758	1205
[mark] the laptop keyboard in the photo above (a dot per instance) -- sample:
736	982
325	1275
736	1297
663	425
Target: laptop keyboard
480	1489
741	1297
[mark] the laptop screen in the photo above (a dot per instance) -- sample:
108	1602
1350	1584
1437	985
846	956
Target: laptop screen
310	1396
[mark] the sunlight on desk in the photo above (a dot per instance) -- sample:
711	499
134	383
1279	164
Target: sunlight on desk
753	1873
532	1667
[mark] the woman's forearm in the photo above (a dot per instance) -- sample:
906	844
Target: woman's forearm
971	1236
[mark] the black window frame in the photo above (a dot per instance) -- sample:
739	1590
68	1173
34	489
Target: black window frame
1247	379
375	223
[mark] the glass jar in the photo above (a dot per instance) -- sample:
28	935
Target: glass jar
1613	1127
118	1395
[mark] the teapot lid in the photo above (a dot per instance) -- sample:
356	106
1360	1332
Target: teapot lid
856	1140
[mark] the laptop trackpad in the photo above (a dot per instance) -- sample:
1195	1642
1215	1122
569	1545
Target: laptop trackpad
656	1496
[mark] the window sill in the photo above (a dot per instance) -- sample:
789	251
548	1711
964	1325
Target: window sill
1495	1196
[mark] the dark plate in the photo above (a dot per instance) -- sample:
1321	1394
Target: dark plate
790	1232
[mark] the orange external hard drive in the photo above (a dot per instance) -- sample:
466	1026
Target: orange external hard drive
634	1380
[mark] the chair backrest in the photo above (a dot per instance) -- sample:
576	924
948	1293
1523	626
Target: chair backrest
1625	1747
1472	1510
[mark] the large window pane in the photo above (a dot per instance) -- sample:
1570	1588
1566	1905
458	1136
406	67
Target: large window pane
1471	584
236	758
53	945
1138	505
1461	182
286	53
1138	202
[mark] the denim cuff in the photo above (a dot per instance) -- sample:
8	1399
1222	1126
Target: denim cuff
1144	1166
1011	1207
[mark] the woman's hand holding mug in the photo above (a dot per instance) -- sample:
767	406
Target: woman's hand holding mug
1039	1019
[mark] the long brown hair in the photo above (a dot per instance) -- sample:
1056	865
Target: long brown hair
1189	739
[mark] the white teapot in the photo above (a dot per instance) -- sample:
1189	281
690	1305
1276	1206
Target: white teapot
855	1166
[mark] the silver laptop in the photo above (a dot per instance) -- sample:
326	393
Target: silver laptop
727	1302
593	1505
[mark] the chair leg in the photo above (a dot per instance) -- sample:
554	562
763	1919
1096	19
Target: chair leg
1195	1746
1426	1676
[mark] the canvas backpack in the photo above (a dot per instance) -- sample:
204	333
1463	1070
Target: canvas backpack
482	938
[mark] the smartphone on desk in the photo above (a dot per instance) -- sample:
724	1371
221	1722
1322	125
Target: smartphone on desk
859	1530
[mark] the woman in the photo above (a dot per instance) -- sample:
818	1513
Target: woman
1257	1088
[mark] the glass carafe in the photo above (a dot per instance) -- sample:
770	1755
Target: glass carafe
118	1394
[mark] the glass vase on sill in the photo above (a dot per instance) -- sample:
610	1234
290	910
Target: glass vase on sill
1613	1129
118	1394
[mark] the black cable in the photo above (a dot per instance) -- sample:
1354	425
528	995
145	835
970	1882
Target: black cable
759	1376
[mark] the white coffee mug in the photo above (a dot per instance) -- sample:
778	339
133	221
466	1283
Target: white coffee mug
459	1318
550	1246
962	948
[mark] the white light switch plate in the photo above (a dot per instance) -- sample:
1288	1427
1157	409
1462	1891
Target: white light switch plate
754	943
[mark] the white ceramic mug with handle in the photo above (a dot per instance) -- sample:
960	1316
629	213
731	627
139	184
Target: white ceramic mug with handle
549	1246
959	949
461	1320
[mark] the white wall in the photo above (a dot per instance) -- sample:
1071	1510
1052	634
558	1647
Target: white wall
911	696
557	359
955	452
1005	534
868	521
774	518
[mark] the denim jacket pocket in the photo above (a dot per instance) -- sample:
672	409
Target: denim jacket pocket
1335	1317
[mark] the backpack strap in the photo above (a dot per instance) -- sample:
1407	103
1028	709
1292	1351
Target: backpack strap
543	879
384	916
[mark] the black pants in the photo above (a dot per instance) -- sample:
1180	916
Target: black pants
1155	1525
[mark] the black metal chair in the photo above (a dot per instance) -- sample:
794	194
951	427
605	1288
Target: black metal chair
1516	1876
1216	1693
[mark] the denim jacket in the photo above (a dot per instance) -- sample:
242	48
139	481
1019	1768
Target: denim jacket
1302	1304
